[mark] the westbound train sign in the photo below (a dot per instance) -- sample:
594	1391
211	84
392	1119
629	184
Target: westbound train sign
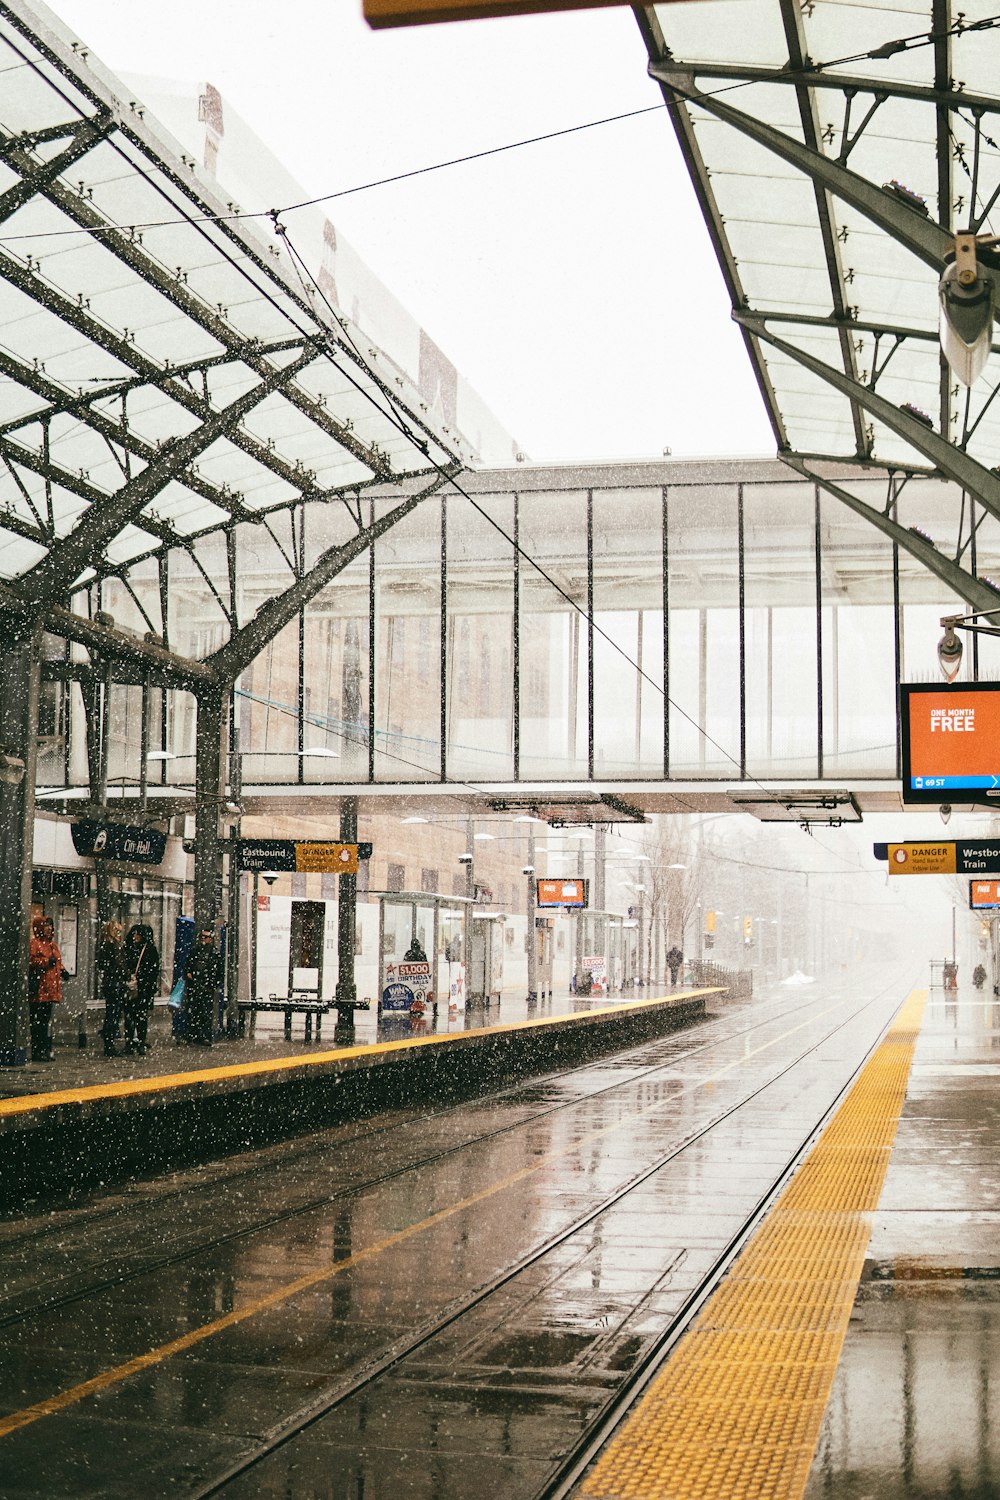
942	857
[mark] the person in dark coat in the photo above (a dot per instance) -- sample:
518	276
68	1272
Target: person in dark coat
674	960
45	972
111	963
142	968
202	977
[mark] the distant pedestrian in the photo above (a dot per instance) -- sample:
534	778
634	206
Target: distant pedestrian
142	966
675	959
111	963
202	977
45	975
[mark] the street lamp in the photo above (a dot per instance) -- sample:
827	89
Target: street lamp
950	647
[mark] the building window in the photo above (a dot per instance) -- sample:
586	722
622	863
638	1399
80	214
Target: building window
395	880
428	880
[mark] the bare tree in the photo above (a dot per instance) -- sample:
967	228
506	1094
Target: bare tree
673	885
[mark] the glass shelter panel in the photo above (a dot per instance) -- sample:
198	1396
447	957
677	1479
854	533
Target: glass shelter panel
779	567
553	636
859	653
703	631
480	649
628	632
408	647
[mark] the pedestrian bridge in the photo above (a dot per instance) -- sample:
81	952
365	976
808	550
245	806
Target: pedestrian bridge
680	635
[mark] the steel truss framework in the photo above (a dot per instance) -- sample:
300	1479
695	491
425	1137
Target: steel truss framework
812	272
174	387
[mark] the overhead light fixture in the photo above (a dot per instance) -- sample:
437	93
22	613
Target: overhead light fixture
416	820
161	755
949	651
320	750
484	836
966	294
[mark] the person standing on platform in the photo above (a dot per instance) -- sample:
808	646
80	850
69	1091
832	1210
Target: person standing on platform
111	963
202	977
45	976
674	960
142	966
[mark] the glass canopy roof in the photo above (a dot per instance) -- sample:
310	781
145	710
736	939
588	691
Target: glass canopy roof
796	119
167	370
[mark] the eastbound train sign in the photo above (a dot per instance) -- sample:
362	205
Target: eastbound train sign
289	854
943	857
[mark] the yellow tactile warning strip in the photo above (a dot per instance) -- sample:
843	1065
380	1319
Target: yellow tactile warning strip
128	1088
738	1408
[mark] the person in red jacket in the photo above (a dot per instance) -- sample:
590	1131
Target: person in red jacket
45	976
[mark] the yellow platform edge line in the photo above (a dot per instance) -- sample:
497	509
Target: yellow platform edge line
128	1088
738	1408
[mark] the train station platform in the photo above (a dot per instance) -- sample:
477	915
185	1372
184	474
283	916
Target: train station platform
853	1347
85	1118
755	1257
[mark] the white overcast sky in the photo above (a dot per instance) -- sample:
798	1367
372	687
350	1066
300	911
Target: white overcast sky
572	282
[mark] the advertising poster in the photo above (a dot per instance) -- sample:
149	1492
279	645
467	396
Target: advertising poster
407	987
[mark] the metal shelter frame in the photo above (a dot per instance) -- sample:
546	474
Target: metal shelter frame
813	120
172	379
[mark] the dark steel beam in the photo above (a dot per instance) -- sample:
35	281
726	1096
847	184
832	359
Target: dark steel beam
107	642
233	658
37	176
680	119
50	578
189	197
19	653
946	458
839	83
130	252
62	400
979	594
791	16
170	380
927	240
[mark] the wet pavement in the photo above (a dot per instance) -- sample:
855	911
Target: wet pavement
913	1412
74	1065
463	1288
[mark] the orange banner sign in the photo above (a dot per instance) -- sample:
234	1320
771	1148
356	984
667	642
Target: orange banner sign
419	12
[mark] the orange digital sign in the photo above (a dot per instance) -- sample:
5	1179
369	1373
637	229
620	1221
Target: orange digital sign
951	742
984	894
561	893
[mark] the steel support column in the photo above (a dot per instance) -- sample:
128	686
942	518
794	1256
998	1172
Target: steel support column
210	741
347	910
19	677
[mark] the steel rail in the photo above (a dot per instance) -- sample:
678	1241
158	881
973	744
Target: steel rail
391	1360
296	1153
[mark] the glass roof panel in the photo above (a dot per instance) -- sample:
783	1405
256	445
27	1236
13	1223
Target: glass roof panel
877	261
132	319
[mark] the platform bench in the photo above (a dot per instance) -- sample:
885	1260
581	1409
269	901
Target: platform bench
291	1005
